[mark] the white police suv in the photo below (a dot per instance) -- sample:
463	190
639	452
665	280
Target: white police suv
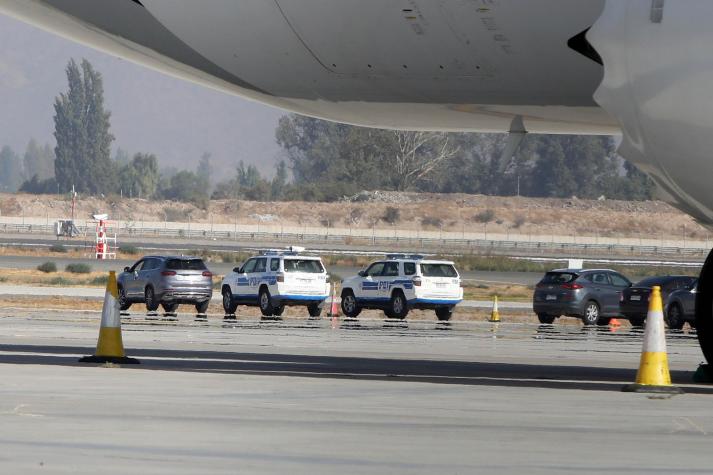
275	279
400	283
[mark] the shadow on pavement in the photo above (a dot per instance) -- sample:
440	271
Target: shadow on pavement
427	371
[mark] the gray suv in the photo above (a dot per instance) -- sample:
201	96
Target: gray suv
167	281
592	295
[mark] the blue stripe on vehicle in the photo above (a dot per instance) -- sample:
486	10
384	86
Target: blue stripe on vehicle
301	297
372	299
436	301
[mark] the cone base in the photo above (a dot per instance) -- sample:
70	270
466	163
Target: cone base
650	388
109	359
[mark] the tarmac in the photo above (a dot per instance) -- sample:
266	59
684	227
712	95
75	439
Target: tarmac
368	396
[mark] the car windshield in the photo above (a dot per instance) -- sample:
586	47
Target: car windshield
438	270
185	264
310	266
558	278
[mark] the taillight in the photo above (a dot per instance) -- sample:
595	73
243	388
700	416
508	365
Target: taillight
207	273
574	286
168	273
280	277
417	281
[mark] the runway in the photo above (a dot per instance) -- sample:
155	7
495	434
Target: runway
335	396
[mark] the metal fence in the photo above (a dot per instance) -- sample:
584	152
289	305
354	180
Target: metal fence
432	244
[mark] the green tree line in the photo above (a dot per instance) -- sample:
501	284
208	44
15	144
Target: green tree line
326	161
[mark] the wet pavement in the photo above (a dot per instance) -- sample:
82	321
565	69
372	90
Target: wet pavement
253	395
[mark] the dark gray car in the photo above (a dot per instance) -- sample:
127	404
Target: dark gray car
681	307
592	295
167	281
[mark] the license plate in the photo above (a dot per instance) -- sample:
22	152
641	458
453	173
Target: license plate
635	298
440	285
551	297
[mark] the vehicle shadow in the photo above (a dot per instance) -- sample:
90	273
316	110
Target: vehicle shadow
335	367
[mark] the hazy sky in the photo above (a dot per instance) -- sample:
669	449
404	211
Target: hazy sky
151	112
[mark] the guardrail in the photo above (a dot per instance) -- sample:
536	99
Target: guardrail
432	244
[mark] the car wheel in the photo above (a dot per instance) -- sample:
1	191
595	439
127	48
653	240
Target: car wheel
544	318
124	303
169	307
150	299
604	321
398	305
674	317
202	307
265	302
637	321
444	314
591	313
314	310
350	308
228	304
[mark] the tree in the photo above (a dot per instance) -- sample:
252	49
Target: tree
279	182
417	155
186	186
10	170
38	161
204	171
140	177
82	133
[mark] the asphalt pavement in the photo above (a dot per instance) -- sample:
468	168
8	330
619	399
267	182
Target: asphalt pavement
306	396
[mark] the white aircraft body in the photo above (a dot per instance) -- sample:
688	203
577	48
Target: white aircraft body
642	68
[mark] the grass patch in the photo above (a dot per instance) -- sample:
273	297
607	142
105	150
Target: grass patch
99	280
47	267
78	268
130	250
58	248
59	280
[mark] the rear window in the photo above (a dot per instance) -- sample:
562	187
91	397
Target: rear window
309	266
558	278
438	270
185	264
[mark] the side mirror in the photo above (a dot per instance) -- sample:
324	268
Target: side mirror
238	270
362	273
127	269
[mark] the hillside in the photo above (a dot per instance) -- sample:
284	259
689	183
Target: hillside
454	212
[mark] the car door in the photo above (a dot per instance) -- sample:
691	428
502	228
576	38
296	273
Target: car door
601	291
147	275
389	275
258	275
618	284
369	289
688	299
245	290
131	284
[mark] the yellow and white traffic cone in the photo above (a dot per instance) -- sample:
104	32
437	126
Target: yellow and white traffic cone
653	375
110	348
495	314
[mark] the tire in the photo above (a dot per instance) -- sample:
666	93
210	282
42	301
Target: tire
398	305
637	321
124	303
604	321
265	302
544	318
314	310
169	307
674	317
150	299
229	306
591	313
388	313
443	314
278	311
202	307
350	307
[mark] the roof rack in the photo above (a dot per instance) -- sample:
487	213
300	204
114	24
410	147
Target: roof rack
290	251
405	256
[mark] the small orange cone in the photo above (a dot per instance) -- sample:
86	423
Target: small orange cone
614	322
334	306
653	375
110	347
495	314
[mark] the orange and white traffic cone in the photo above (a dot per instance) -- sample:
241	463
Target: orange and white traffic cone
110	347
653	375
334	306
495	314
